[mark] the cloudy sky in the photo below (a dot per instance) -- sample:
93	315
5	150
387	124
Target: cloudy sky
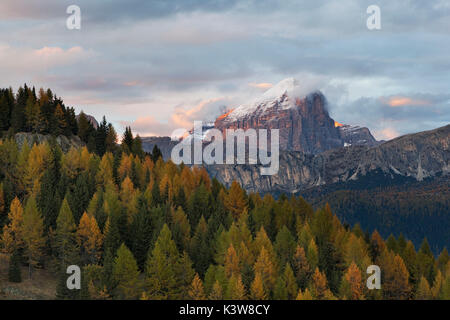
158	65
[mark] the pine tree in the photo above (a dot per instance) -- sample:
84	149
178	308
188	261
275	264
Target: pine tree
48	199
201	247
185	275
181	228
14	272
425	261
127	140
156	153
33	234
61	123
66	244
284	246
85	128
312	255
126	274
111	139
142	228
291	283
280	291
136	147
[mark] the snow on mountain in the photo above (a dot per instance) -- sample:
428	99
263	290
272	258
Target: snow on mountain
282	94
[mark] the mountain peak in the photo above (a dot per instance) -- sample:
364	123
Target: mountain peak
284	86
282	95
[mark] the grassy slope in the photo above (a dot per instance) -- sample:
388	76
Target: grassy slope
42	285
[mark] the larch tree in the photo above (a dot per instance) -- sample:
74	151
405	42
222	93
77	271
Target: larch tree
395	277
162	268
89	239
181	227
306	295
236	289
423	290
302	268
12	237
319	288
235	200
265	267
437	285
312	254
257	291
231	262
196	292
216	291
351	284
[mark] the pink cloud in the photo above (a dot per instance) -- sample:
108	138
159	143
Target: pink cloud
180	118
400	101
386	134
262	85
148	126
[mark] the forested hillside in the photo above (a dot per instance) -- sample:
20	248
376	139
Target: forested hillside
44	113
416	209
142	228
154	230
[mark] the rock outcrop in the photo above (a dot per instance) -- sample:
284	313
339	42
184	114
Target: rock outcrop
91	120
64	142
418	156
304	122
165	144
355	135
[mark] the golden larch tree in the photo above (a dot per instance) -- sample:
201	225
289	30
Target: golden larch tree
196	291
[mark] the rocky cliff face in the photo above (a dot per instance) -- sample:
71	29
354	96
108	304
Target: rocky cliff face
355	135
304	122
91	119
165	144
418	156
66	143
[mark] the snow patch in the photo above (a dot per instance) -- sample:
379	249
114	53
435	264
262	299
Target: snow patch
282	94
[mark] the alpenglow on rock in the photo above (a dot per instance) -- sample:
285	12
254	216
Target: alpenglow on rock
303	120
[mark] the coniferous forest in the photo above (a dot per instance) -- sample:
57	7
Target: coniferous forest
142	228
